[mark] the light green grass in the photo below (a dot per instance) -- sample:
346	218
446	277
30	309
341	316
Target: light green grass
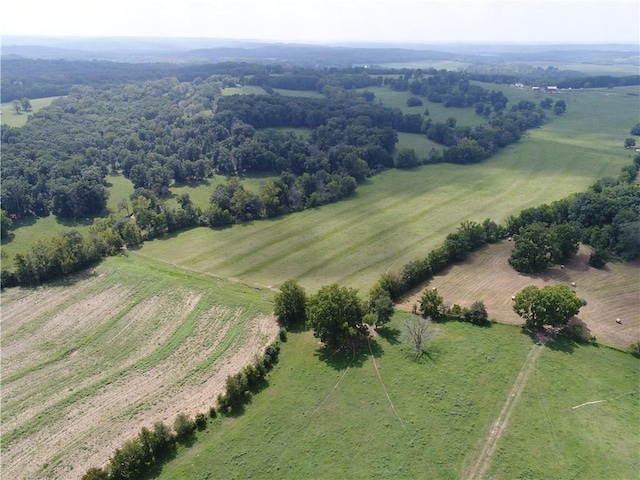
243	90
298	93
9	117
200	193
303	427
28	230
548	438
399	215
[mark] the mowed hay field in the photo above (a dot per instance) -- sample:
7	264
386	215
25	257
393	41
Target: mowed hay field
86	363
398	216
386	415
611	292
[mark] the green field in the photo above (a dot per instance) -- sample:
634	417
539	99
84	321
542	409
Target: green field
86	362
9	117
321	419
399	215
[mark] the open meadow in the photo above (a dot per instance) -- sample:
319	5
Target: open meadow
88	361
386	415
9	116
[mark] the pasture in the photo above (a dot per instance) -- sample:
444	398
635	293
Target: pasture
9	116
90	360
399	215
387	416
610	292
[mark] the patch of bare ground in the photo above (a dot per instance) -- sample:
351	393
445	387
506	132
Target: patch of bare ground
612	292
130	392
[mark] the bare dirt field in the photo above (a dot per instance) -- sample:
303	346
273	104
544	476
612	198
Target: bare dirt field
85	366
612	292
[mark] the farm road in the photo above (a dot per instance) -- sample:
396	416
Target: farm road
489	444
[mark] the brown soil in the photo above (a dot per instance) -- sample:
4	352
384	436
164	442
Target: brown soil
75	434
612	292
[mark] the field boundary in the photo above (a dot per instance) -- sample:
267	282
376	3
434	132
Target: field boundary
498	428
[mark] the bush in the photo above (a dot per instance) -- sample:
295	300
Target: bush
183	425
200	421
477	314
283	334
598	258
414	102
212	412
635	349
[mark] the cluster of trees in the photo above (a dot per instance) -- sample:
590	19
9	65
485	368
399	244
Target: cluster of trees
606	217
457	245
552	306
474	144
54	257
540	245
138	456
314	80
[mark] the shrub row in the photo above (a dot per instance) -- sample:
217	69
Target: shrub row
139	455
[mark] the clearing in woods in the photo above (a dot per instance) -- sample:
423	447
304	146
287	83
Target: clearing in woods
611	292
88	362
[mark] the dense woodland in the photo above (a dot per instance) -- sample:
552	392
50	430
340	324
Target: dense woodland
161	132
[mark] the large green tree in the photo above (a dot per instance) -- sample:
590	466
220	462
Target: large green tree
336	315
290	303
551	305
431	305
535	249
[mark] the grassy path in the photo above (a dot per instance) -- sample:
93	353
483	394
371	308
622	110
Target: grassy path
490	443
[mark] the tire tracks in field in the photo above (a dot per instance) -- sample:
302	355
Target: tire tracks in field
484	459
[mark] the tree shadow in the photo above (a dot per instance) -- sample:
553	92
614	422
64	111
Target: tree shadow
74	222
391	335
353	355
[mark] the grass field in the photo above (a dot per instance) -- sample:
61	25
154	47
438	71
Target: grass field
9	117
386	416
89	361
399	215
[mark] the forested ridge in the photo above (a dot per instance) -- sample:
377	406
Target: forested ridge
164	131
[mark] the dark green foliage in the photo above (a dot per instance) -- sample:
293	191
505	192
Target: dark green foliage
381	306
336	315
598	258
212	412
200	421
183	425
127	462
5	224
55	257
634	349
431	305
551	305
95	473
414	102
290	304
535	249
636	129
406	158
477	313
629	142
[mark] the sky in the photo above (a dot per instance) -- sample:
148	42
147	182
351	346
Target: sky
333	21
